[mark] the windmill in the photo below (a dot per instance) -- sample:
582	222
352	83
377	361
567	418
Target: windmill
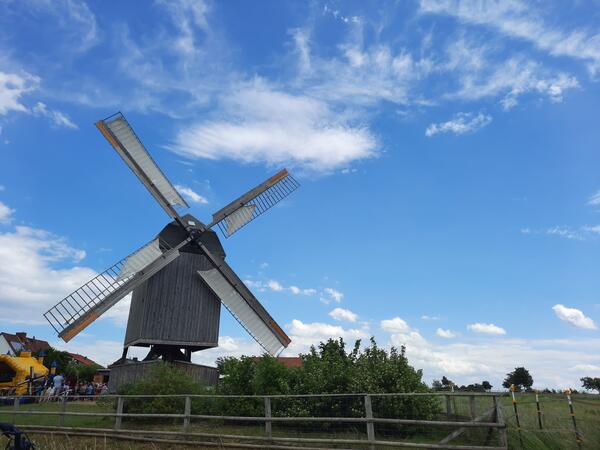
180	278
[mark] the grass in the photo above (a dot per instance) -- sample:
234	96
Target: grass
557	433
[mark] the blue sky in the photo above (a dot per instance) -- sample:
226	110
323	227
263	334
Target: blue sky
447	152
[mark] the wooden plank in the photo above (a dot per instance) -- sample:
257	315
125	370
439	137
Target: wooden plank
461	430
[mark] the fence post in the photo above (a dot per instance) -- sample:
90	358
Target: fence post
119	417
15	408
370	426
500	419
187	412
448	407
268	423
577	435
514	402
539	410
63	408
472	407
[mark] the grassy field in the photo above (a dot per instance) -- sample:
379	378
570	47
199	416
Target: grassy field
557	432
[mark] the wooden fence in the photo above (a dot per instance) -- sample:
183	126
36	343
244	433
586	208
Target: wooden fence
479	411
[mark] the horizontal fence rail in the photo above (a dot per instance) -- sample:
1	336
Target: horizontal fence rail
354	420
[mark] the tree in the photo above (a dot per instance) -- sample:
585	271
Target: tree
593	384
520	378
446	382
486	385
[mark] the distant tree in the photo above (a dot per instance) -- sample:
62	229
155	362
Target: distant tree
446	382
437	385
486	386
593	384
520	377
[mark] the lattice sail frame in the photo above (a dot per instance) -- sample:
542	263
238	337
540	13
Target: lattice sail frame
255	202
84	305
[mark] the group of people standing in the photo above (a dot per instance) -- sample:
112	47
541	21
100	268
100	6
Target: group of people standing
56	386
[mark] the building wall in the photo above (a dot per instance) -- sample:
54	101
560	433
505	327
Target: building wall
132	371
4	347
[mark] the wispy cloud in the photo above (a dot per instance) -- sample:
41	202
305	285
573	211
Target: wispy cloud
426	317
461	123
56	117
486	328
520	20
191	195
574	317
594	199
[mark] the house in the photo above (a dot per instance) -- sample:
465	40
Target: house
12	344
287	361
290	361
82	360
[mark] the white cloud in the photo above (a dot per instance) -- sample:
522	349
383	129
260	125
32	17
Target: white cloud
593	229
594	199
574	317
461	123
518	20
334	294
29	282
304	335
341	314
191	195
56	117
395	325
472	363
274	285
119	313
594	368
486	328
445	333
5	213
12	87
228	347
260	124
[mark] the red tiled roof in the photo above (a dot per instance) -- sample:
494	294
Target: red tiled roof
291	361
82	359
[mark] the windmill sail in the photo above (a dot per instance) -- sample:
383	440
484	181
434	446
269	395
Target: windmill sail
243	305
121	136
83	306
254	203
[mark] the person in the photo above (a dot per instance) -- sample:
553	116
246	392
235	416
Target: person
57	383
89	391
104	389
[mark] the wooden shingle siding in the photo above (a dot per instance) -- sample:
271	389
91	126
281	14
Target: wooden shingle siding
175	307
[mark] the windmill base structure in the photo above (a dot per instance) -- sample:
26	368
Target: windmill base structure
179	280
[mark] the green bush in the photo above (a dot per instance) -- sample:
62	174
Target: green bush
162	379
